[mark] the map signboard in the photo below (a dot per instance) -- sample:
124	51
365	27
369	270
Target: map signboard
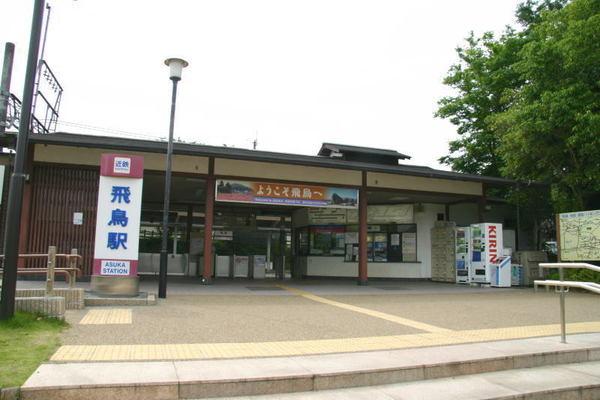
579	236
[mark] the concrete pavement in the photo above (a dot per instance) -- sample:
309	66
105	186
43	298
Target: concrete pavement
235	312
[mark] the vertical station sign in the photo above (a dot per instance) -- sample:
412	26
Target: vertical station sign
118	216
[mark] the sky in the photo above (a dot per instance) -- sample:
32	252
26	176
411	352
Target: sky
291	74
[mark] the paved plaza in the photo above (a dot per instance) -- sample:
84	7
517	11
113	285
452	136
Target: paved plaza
232	319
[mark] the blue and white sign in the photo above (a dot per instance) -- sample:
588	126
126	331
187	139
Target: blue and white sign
118	217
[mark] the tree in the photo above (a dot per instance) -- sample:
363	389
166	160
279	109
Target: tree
528	103
482	78
551	132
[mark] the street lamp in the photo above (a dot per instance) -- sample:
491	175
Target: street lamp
176	65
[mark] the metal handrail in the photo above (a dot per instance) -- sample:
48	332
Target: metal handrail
563	286
591	267
592	287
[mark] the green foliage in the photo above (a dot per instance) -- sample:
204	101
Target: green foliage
26	340
482	79
528	103
581	275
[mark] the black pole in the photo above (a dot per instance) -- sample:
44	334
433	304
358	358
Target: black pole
17	179
518	230
162	280
9	53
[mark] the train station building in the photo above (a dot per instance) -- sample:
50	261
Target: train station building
348	212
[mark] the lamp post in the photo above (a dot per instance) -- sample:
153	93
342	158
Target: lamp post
176	66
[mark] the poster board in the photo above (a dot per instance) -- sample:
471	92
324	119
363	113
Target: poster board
385	214
409	246
326	216
579	236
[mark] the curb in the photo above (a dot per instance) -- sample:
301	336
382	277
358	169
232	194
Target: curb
300	378
11	393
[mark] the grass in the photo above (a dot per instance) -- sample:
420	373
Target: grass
26	340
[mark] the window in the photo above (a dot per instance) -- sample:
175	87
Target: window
303	247
326	240
385	242
379	248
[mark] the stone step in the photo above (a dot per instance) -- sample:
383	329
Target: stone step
142	299
260	376
557	382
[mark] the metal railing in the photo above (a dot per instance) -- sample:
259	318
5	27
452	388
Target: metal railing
13	117
562	287
70	271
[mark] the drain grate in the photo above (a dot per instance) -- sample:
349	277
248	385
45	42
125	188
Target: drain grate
263	288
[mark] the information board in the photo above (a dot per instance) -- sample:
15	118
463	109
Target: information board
385	214
579	236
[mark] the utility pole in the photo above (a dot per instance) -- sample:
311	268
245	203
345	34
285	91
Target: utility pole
9	54
18	177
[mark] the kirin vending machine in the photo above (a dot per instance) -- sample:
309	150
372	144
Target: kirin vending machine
486	252
463	254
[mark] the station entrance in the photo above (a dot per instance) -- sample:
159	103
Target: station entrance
249	241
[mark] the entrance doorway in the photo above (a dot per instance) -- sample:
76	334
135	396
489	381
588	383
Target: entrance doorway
251	243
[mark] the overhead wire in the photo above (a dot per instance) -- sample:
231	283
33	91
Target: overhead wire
109	130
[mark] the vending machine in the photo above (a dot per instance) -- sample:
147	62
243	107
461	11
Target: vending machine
463	254
486	251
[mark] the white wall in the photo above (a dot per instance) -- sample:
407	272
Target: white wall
335	266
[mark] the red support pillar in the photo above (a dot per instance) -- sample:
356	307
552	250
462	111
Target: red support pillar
208	223
362	232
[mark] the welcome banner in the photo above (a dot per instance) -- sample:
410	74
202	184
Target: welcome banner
285	194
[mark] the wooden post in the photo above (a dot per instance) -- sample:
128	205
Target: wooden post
558	258
362	232
208	227
50	272
281	264
73	264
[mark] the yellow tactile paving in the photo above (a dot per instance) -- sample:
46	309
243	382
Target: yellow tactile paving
305	347
372	313
107	316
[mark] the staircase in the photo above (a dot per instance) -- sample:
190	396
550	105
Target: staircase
535	368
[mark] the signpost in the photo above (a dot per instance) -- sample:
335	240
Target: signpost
118	225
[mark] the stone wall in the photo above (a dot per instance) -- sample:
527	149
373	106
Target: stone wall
530	260
73	296
49	306
443	258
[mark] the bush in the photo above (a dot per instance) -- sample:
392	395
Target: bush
582	275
